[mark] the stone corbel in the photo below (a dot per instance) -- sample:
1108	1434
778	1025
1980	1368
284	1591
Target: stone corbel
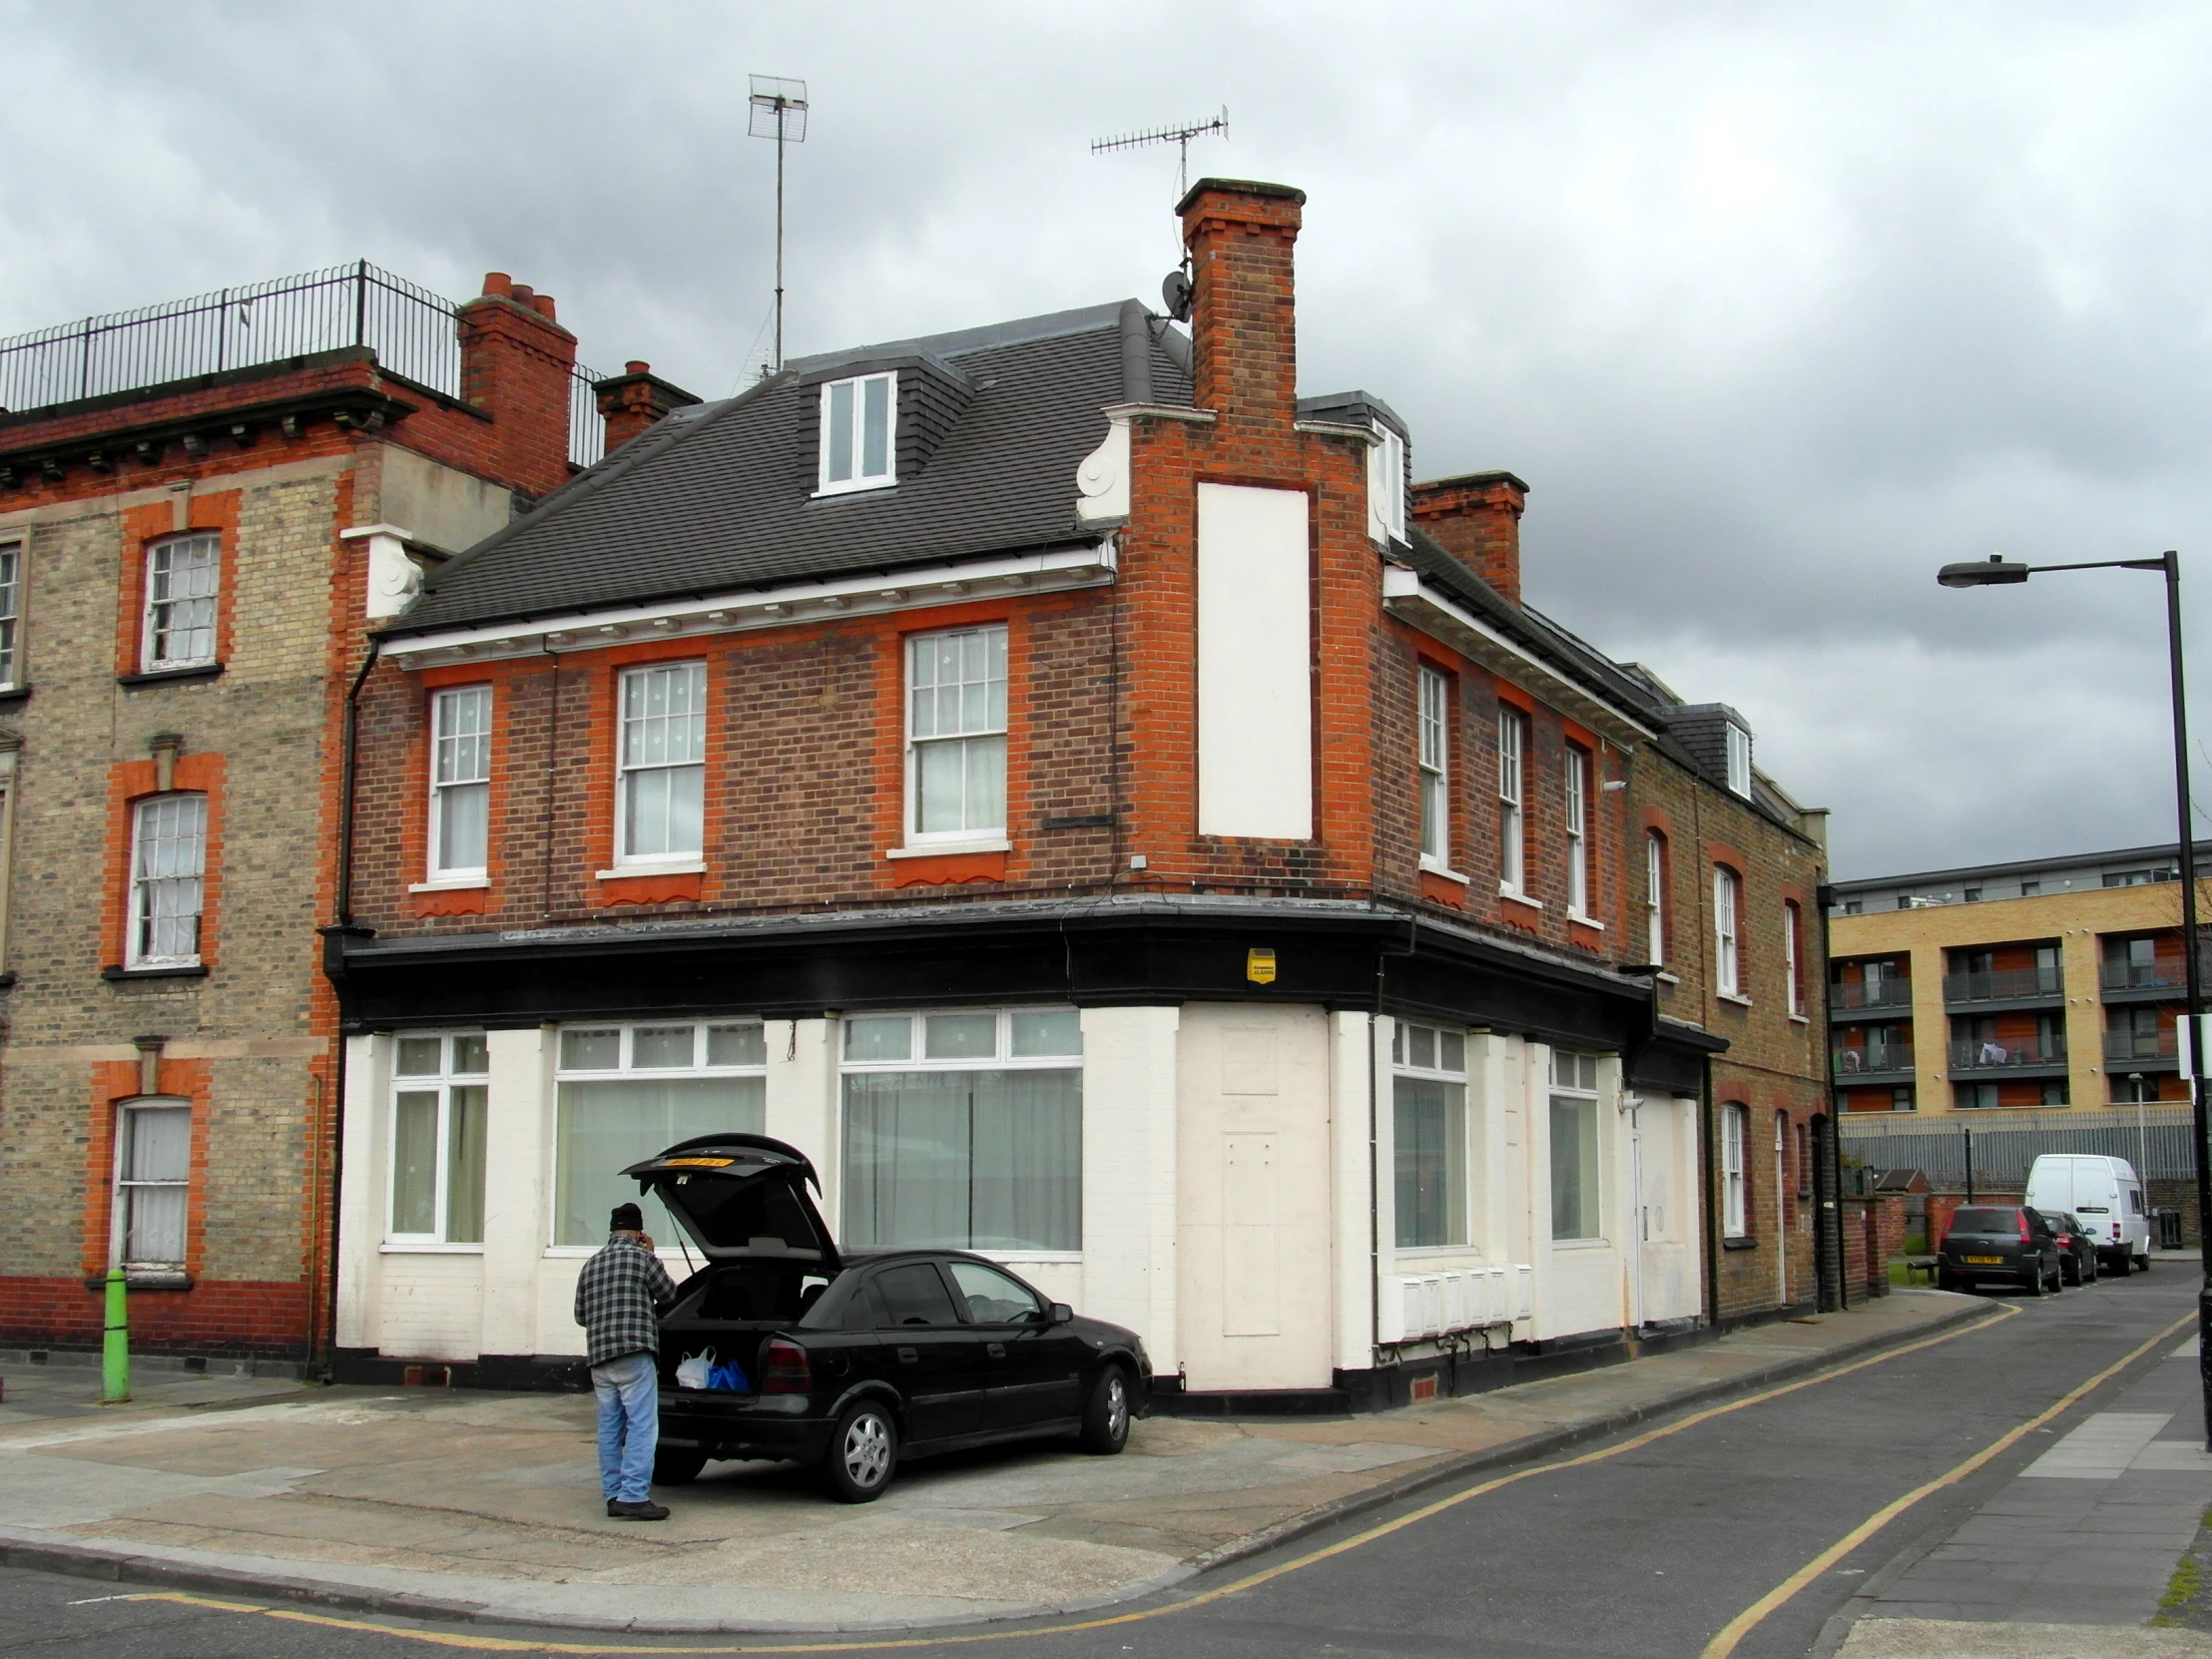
394	579
1102	479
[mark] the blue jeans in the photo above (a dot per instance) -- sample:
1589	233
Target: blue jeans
629	1391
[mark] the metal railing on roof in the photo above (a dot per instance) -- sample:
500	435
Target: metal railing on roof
411	331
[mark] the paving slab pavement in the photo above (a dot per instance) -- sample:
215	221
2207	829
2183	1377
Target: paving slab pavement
486	1505
2072	1557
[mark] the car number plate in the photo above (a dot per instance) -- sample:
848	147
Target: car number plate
1984	1260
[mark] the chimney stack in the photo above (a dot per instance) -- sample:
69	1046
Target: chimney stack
1476	519
516	364
632	401
1243	324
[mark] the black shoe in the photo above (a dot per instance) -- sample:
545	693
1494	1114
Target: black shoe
611	1502
645	1509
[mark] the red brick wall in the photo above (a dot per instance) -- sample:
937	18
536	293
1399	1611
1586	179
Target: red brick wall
223	1319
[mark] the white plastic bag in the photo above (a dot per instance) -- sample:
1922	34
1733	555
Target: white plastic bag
691	1372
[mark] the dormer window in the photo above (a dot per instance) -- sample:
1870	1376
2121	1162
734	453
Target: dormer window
1387	483
857	434
1739	760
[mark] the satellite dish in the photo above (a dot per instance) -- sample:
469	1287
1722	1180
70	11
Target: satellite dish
1176	291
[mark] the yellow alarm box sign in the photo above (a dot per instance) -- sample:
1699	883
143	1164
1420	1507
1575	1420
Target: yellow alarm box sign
1260	965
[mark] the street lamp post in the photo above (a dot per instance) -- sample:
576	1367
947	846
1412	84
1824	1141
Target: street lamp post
1998	571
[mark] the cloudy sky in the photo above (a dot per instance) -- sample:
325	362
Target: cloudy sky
1775	306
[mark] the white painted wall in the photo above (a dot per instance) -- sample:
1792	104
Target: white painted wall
1255	681
518	1165
1354	1043
1254	1161
1128	1272
1581	1284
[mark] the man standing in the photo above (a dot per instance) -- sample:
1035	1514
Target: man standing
619	1296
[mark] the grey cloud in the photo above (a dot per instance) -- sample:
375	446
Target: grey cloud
1777	307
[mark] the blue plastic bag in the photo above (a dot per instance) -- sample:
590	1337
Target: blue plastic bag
729	1375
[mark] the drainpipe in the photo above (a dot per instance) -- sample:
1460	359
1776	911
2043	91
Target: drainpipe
1712	1200
1374	1171
336	1114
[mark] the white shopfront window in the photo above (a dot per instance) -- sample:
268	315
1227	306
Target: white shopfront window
964	1129
438	1097
1428	1121
1574	1147
625	1093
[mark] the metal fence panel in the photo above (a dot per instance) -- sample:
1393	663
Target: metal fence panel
2004	1147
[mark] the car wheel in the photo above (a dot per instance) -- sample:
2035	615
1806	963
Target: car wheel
1106	1417
864	1450
2120	1267
1944	1281
2057	1277
2070	1271
2035	1286
673	1467
2142	1263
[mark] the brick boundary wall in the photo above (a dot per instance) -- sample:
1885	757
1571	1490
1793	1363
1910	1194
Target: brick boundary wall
222	1318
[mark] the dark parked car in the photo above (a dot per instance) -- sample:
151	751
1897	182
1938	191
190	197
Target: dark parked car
2077	1247
1993	1243
852	1363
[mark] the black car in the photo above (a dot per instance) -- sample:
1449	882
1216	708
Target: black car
2000	1244
2077	1247
852	1363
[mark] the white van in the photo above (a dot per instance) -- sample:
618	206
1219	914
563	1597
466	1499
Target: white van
2105	1195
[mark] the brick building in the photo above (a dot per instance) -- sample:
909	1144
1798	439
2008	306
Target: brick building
205	508
1085	795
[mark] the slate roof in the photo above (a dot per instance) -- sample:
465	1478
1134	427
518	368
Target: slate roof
718	497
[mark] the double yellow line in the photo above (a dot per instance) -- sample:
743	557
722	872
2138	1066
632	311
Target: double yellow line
1723	1644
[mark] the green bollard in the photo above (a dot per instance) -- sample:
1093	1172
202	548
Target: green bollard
115	1346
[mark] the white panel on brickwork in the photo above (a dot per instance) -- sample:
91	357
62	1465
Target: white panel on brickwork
1255	685
1129	1151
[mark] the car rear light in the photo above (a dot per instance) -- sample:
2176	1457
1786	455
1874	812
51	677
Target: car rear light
787	1371
2115	1230
2027	1237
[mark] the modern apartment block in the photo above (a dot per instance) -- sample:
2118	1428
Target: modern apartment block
205	508
2044	983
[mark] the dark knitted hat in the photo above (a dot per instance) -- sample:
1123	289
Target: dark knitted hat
628	1218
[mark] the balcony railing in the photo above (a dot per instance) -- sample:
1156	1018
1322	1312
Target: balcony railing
2142	976
411	331
1860	1062
1991	1055
2004	986
1884	993
2122	1047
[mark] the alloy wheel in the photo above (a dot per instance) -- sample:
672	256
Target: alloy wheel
1117	1406
867	1450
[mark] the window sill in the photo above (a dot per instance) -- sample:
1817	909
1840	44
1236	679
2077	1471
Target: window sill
403	1246
182	970
1432	1254
942	850
1736	997
14	697
1514	895
458	885
1581	920
1581	1243
1431	867
1739	1244
147	1278
1666	978
630	872
870	487
1800	1020
170	676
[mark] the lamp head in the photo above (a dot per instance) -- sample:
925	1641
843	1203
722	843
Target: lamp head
1995	571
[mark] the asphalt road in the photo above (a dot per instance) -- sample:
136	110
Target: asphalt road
1648	1550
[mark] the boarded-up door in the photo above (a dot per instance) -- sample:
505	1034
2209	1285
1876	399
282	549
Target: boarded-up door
1254	1203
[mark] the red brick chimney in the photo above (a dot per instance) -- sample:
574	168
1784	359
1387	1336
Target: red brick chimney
1476	518
634	400
1244	326
516	364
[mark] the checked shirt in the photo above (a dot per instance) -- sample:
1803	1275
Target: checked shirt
617	1296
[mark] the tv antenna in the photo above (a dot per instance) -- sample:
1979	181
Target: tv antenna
778	111
1179	136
